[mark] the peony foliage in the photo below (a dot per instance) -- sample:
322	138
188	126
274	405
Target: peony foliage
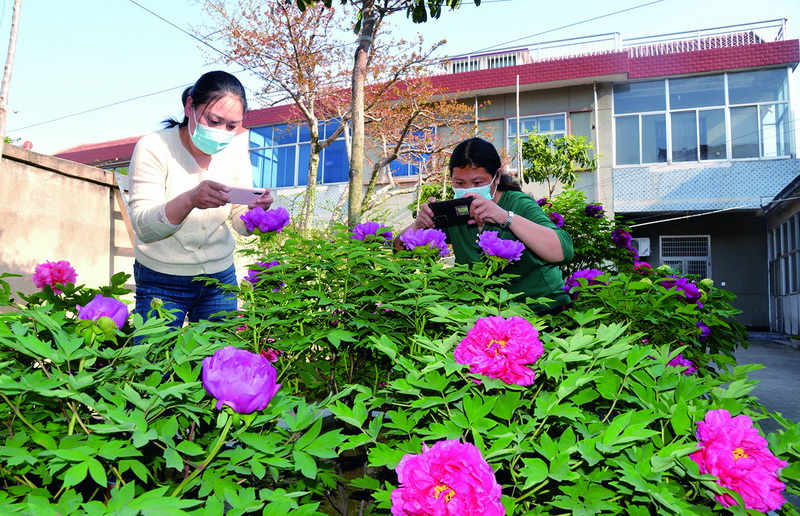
407	386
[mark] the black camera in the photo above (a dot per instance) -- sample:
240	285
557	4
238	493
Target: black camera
454	212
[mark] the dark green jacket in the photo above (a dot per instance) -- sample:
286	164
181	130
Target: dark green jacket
535	276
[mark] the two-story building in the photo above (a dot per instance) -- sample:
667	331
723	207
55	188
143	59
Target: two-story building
694	133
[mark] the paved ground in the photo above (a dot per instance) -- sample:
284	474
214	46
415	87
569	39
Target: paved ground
779	381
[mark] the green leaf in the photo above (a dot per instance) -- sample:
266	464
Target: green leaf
533	471
304	463
97	472
309	436
189	448
76	473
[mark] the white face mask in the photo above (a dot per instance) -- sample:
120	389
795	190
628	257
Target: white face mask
484	191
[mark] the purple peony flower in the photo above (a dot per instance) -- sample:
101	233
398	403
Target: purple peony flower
621	237
705	331
53	273
679	361
259	220
421	238
556	218
240	379
501	248
258	273
589	275
102	306
688	289
369	230
542	201
594	210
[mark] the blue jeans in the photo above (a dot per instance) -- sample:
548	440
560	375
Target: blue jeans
195	299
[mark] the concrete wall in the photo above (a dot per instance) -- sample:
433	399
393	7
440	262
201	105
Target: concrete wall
738	257
54	209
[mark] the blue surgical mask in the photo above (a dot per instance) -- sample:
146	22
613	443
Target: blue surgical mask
484	191
209	140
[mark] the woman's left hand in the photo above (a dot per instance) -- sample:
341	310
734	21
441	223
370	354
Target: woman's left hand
483	210
265	201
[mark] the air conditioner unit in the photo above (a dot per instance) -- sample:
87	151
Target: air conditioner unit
642	246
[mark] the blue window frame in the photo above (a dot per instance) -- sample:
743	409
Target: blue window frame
280	155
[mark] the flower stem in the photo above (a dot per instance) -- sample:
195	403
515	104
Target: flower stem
211	455
18	413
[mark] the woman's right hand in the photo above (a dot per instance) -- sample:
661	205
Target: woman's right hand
425	216
208	194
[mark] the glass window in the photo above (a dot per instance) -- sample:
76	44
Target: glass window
758	86
260	137
654	139
627	136
694	92
639	97
684	136
711	123
555	125
775	127
744	132
283	134
302	163
283	168
335	164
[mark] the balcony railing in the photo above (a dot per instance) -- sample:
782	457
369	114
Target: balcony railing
719	37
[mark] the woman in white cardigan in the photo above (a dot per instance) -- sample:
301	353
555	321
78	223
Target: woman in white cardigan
180	178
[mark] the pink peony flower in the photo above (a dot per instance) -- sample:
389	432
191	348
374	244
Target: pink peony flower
501	348
732	450
369	230
502	249
271	354
450	478
420	239
53	273
642	267
259	220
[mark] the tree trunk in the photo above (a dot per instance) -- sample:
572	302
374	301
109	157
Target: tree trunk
310	198
355	197
12	47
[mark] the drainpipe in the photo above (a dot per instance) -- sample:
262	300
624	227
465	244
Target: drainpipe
519	137
597	148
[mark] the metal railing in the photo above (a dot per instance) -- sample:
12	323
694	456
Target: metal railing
718	37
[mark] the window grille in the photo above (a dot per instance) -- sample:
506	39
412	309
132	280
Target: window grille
687	254
500	61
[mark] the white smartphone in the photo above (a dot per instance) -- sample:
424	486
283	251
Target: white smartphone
244	195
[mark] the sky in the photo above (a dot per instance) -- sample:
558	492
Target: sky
89	71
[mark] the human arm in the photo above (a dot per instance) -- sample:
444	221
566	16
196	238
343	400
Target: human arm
424	220
542	240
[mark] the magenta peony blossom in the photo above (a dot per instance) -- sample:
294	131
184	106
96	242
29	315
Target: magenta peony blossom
594	210
556	218
240	379
642	267
450	478
53	273
259	220
732	450
102	306
501	348
421	238
589	275
688	289
501	248
271	354
679	361
369	230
